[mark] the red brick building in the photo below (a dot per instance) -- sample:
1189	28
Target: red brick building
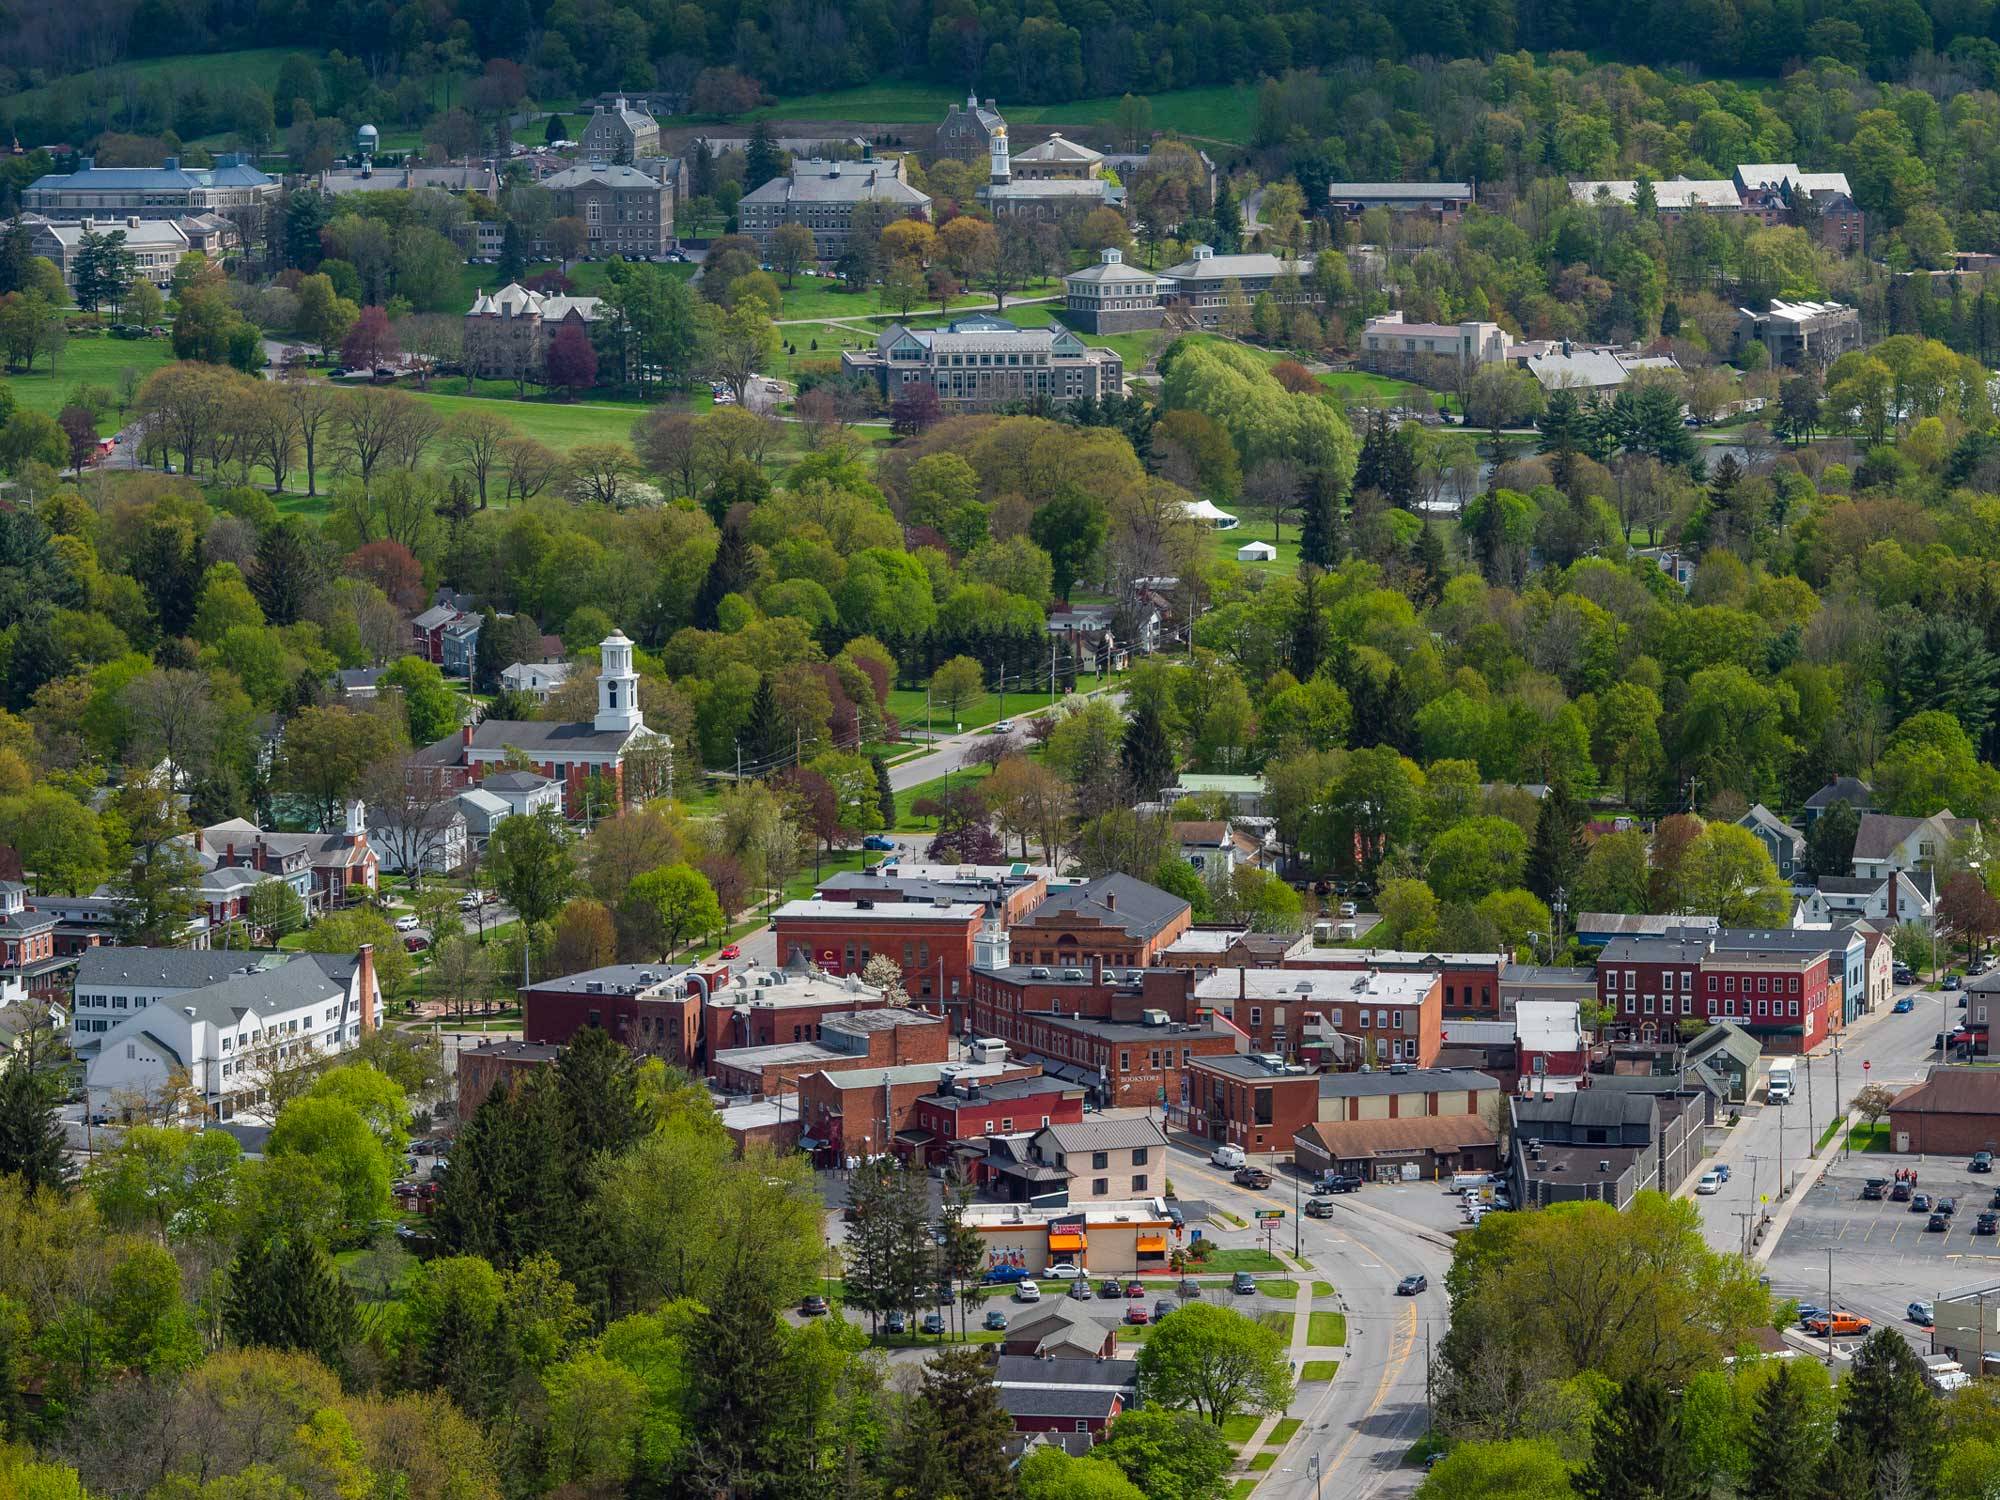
1953	1112
493	1065
1784	988
27	940
870	1111
1123	921
999	888
1471	981
931	942
772	1007
968	1109
1651	983
1344	1018
651	1008
1249	1103
861	1039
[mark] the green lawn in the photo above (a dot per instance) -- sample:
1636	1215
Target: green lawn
561	424
1327	1328
825	297
1278	1287
1279	1323
907	821
1127	1334
1242	1260
1241	1488
1264	1460
1322	1289
1869	1137
1358	385
219	71
86	360
1241	1427
1215	114
1282	1433
907	704
1319	1369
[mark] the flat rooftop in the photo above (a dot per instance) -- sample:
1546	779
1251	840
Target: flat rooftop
815	909
1109	1212
1333	986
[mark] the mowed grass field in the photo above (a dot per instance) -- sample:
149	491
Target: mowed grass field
86	361
218	71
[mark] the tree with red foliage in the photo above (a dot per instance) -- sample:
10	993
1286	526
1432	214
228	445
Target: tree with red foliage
571	362
80	427
370	342
819	809
724	873
1969	909
915	410
393	569
1295	378
965	831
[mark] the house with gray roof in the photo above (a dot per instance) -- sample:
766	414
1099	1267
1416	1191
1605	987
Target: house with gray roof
1885	841
1852	790
825	197
213	1027
1202	289
1603	1143
508	333
1784	843
967	132
155	245
1105	1158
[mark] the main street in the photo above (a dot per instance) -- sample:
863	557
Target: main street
1362	1422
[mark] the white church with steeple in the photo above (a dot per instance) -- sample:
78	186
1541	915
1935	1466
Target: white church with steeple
567	754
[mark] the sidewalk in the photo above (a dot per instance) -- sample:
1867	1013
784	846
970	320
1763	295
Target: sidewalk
1301	1342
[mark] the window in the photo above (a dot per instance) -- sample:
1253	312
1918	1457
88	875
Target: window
1795	1007
1256	1016
1124	1062
1139	1183
1099	1186
1396	1019
1139	1156
1631	979
1099	1160
1687	1005
1763	1007
1649	1005
1007	1122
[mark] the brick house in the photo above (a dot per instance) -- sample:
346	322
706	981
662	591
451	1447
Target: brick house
427	631
326	870
1953	1112
651	1008
1472	981
508	332
1347	1018
968	1110
870	1111
27	942
773	1007
1785	988
1125	922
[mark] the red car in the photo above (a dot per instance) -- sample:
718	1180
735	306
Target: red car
1134	1289
415	943
1136	1314
730	950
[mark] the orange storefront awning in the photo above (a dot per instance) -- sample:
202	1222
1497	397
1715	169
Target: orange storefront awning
1067	1240
1156	1244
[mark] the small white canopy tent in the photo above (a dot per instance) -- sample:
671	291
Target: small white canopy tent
1211	515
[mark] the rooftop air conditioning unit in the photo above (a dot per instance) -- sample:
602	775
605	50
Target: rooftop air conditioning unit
595	986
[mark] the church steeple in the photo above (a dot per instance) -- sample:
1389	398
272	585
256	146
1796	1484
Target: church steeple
1002	170
617	687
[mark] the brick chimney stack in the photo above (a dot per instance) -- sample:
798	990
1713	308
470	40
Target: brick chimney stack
365	980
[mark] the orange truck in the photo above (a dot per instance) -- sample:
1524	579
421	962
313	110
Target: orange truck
1838	1325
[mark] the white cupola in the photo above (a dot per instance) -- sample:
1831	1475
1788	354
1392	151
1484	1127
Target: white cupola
617	687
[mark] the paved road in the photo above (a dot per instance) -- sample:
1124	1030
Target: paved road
1897	1048
1362	1422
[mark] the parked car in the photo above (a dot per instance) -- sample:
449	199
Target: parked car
1080	1289
1946	1206
1252	1177
731	950
1162	1307
896	1322
1027	1291
996	1321
814	1306
1175	1217
1188	1289
1063	1270
1937	1224
1135	1289
879	843
407	924
1243	1284
1319	1208
1137	1315
1808	1311
1951	981
1986	1223
1920	1313
1006	1275
1409	1286
1875	1189
1339	1182
1721	1169
1709	1183
1003	726
1838	1325
416	942
1920	1203
933	1324
1904	1006
1982	1161
1110	1287
1900	1193
1994	1202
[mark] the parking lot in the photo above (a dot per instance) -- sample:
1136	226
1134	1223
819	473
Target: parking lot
1884	1255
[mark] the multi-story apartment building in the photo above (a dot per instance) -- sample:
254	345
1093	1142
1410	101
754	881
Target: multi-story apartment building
983	361
825	197
232	188
624	132
507	333
1349	1019
626	211
1785	988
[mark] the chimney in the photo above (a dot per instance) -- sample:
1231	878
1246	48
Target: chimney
365	979
1097	968
172	164
465	735
1111	901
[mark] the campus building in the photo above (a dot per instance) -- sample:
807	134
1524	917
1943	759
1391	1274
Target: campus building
982	361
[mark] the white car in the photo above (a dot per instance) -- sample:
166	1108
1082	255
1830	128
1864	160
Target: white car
1004	726
407	924
1063	1271
1027	1291
1710	1182
1347	908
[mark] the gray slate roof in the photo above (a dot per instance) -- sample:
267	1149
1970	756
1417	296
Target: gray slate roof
1122	1134
169	968
1416	1081
1849	789
1025	1369
1142	910
282	987
1058	1401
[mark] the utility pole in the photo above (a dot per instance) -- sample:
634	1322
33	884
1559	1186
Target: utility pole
1295	1217
1840	1109
1829	1309
1746	1215
1003	689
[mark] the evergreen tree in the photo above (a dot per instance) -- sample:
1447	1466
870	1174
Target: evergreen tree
1562	424
1228	219
885	791
11	1405
305	216
1638	1451
288	570
555	130
1556	855
745	1403
32	1144
1887	1413
974	1428
16	250
469	1358
597	1082
890	1249
1830	840
1785	1443
507	1196
513	253
1309	627
732	569
764	738
1319	521
762	160
1146	753
284	1293
1428	554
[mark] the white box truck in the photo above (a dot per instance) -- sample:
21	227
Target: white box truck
1782	1083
